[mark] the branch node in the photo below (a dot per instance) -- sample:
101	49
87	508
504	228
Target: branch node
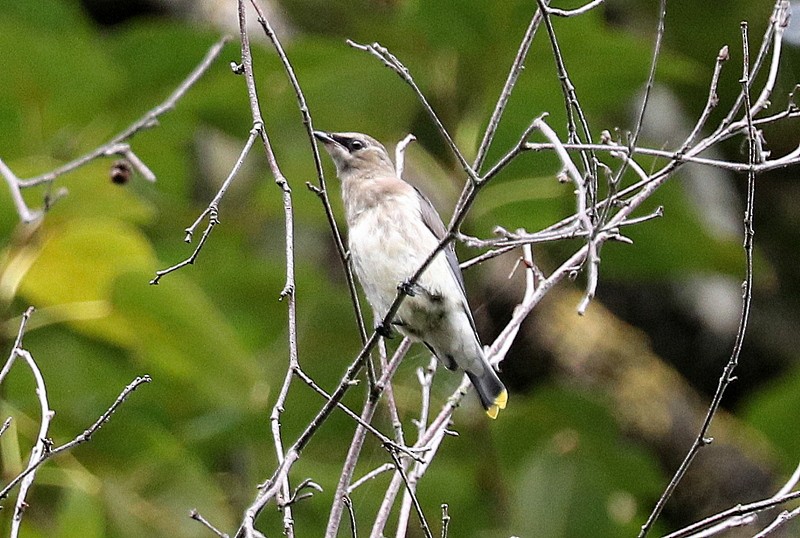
297	496
316	190
287	291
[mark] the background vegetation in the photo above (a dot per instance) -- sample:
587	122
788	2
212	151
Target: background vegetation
567	458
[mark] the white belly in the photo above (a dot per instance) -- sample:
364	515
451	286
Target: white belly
387	248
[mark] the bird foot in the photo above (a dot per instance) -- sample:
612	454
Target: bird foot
408	288
385	330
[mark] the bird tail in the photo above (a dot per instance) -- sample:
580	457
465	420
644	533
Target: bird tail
490	390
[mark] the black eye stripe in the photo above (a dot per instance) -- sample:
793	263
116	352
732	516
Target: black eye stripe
352	144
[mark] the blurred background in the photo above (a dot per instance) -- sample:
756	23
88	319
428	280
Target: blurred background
602	407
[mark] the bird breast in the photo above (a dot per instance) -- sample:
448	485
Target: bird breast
388	242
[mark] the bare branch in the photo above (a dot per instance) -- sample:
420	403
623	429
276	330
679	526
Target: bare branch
386	467
194	514
17	343
738	511
727	124
390	61
26	214
80	439
321	190
5	426
410	491
516	68
740	520
446	518
783	518
115	146
651	76
212	211
727	375
42	442
574	112
713	99
573	12
344	488
400	153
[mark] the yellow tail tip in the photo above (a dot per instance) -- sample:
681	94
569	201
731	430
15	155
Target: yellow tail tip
499	403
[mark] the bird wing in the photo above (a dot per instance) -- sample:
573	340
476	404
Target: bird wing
434	223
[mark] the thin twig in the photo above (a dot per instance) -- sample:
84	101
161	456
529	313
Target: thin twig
573	12
391	61
727	124
574	112
446	515
341	496
410	490
343	487
783	518
400	154
373	474
17	343
387	367
359	420
321	190
651	77
675	156
747	519
740	510
702	439
212	211
779	22
582	213
288	291
502	101
42	442
425	377
115	146
5	426
25	213
352	513
195	515
713	99
80	439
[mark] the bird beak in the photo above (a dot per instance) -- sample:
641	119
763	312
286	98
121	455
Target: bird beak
324	137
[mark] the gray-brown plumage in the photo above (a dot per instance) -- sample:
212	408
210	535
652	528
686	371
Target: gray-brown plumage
392	229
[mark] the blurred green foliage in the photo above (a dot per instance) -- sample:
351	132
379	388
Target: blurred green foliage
213	336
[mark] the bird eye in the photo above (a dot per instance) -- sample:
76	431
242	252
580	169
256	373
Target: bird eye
356	145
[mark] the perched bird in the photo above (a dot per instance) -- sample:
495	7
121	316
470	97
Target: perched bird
392	229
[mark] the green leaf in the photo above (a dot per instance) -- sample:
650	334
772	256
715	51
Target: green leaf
75	268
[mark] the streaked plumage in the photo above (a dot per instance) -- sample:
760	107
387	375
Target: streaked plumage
392	228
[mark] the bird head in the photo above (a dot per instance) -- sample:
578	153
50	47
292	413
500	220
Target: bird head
356	154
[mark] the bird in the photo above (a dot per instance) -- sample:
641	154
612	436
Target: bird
392	229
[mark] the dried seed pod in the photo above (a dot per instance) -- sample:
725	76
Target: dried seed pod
121	171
